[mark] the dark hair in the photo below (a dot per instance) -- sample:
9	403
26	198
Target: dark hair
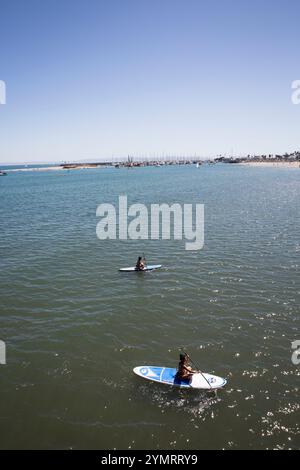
183	357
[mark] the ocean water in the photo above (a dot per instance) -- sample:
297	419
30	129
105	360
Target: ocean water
75	327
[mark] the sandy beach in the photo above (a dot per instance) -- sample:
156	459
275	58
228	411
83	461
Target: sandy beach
273	164
50	168
53	168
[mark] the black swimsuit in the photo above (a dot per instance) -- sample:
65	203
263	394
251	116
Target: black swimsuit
181	373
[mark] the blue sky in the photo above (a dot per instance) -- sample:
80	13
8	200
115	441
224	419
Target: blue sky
98	79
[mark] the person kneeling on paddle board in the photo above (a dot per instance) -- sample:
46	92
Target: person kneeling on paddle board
184	371
140	265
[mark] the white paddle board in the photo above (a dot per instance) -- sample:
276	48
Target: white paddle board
167	375
149	267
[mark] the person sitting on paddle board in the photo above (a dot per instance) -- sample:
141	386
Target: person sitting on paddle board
184	371
140	265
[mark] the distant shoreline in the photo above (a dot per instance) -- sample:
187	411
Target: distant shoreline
265	164
88	166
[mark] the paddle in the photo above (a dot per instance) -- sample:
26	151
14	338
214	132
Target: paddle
198	368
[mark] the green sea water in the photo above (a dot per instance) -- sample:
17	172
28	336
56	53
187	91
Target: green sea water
75	327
